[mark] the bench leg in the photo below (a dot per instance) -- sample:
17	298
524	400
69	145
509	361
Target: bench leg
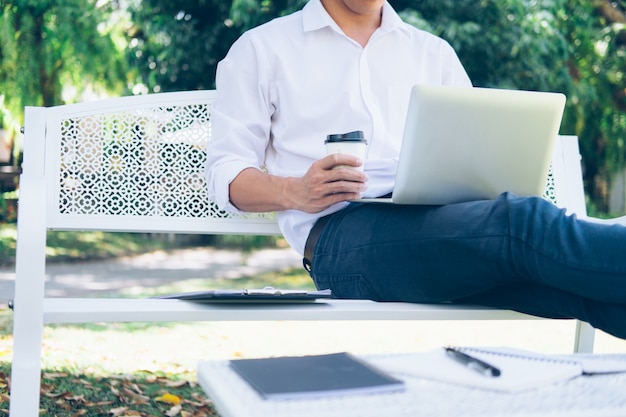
26	366
29	296
584	338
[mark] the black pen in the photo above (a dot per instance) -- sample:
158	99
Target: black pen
471	362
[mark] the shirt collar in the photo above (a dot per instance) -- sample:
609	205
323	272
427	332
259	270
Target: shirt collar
314	17
391	20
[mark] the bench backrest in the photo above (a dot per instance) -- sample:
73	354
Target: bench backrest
137	164
129	163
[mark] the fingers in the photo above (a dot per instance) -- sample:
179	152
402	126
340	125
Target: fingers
339	160
331	180
337	173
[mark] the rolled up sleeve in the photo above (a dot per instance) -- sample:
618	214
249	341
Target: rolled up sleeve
240	123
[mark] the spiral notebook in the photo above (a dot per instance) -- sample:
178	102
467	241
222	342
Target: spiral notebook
314	376
520	370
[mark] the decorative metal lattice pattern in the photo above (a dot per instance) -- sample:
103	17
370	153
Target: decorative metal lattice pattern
549	193
145	162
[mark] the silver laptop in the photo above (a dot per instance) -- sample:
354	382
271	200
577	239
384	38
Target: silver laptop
464	144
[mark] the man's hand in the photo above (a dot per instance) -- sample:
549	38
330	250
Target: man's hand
328	181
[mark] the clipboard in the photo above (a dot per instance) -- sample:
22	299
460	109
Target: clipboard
260	295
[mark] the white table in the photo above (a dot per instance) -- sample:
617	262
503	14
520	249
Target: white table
588	396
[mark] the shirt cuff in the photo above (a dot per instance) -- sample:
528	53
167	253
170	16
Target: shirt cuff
219	190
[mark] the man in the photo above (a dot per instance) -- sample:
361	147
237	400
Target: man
345	65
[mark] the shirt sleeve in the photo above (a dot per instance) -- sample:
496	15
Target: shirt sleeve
453	72
240	120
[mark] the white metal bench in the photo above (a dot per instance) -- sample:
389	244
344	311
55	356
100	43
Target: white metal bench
136	164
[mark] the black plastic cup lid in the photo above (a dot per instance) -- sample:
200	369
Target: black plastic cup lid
356	136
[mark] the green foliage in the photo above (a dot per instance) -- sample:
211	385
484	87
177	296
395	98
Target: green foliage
48	45
597	95
508	44
570	46
176	45
48	48
576	47
8	209
8	237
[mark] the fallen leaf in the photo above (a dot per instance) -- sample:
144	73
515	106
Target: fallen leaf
137	398
61	403
136	388
174	411
116	412
130	413
102	403
168	398
176	384
151	379
82	382
199	396
71	397
194	404
44	388
56	395
54	375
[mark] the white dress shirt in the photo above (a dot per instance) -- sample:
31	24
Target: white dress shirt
287	84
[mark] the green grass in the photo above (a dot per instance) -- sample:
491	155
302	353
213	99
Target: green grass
66	394
129	369
75	246
8	238
77	383
93	369
295	278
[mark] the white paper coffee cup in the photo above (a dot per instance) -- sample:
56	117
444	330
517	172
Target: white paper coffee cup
351	143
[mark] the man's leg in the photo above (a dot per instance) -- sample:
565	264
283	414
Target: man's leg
444	253
544	301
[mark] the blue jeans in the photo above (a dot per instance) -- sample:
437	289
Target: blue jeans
523	254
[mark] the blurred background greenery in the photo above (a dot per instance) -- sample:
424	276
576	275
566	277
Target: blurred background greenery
63	51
